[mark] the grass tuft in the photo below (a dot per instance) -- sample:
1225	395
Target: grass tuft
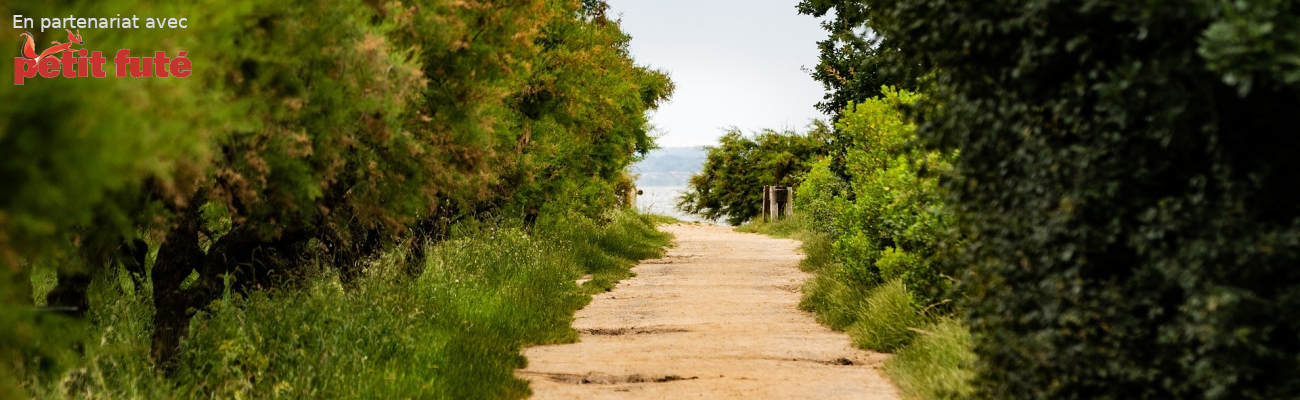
816	247
939	364
887	318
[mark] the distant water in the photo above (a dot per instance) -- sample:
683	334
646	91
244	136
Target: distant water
662	177
662	200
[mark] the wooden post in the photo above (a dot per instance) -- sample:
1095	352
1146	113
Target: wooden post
783	197
776	203
789	201
771	203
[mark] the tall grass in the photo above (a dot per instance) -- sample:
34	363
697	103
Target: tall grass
939	364
817	252
453	331
886	319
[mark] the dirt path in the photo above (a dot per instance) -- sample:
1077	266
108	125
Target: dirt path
715	318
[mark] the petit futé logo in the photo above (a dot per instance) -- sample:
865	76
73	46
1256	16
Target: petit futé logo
61	60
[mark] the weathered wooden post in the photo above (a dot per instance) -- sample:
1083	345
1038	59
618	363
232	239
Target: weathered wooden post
771	210
778	202
789	205
775	208
789	201
784	198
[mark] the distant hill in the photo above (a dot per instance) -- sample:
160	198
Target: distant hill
669	166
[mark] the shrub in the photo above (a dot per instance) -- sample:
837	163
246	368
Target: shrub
818	198
892	216
834	302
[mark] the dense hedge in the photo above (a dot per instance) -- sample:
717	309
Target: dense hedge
1126	179
318	130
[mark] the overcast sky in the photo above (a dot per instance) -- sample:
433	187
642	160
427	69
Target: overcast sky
735	63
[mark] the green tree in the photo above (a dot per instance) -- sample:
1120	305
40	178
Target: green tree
851	63
730	184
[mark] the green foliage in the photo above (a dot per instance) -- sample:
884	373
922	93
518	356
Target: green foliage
878	241
311	133
583	117
1254	41
939	364
607	253
832	297
76	152
1125	182
25	348
887	318
730	185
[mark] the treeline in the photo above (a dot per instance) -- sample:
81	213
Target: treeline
311	133
1102	190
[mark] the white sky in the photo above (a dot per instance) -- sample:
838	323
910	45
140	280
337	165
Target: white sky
735	63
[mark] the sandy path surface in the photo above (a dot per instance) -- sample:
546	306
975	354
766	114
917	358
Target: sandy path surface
715	318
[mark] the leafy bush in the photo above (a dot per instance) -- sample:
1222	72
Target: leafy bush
891	221
819	198
938	364
887	318
1126	182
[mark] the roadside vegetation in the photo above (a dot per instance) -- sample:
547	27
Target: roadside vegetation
364	199
1056	201
454	329
876	241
